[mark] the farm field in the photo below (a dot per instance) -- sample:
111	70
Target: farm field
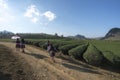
109	49
107	45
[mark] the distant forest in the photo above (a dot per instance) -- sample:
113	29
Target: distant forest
39	36
8	35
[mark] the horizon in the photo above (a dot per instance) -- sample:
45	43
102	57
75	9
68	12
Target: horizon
93	18
49	34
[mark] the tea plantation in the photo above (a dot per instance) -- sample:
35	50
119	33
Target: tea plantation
94	52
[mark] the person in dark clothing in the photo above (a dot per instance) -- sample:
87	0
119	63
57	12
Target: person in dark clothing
17	44
22	45
51	51
48	42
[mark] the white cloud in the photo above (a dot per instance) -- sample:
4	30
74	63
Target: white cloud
35	16
32	13
3	4
34	20
49	15
5	12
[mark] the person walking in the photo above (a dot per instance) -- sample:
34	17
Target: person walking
22	45
47	44
51	51
17	44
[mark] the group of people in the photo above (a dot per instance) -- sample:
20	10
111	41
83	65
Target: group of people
51	49
20	44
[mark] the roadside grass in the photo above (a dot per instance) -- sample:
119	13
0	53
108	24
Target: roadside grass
7	40
4	49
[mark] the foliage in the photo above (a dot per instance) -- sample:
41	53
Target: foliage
93	55
107	45
66	48
112	58
78	51
38	36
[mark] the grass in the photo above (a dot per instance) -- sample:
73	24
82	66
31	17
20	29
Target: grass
6	40
107	45
103	45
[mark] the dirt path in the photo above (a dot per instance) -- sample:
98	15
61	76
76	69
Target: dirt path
41	68
12	67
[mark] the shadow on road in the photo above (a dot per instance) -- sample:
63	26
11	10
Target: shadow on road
80	69
5	76
70	60
39	56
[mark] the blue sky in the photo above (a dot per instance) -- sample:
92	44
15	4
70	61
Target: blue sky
91	18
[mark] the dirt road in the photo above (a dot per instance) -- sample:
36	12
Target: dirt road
37	65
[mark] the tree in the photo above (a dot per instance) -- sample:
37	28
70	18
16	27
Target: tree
56	34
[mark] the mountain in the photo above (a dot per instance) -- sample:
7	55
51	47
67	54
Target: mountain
113	34
78	36
6	34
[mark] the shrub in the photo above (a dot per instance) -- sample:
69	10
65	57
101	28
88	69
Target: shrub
112	58
66	48
56	44
78	51
116	61
36	44
28	42
59	44
93	55
43	44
